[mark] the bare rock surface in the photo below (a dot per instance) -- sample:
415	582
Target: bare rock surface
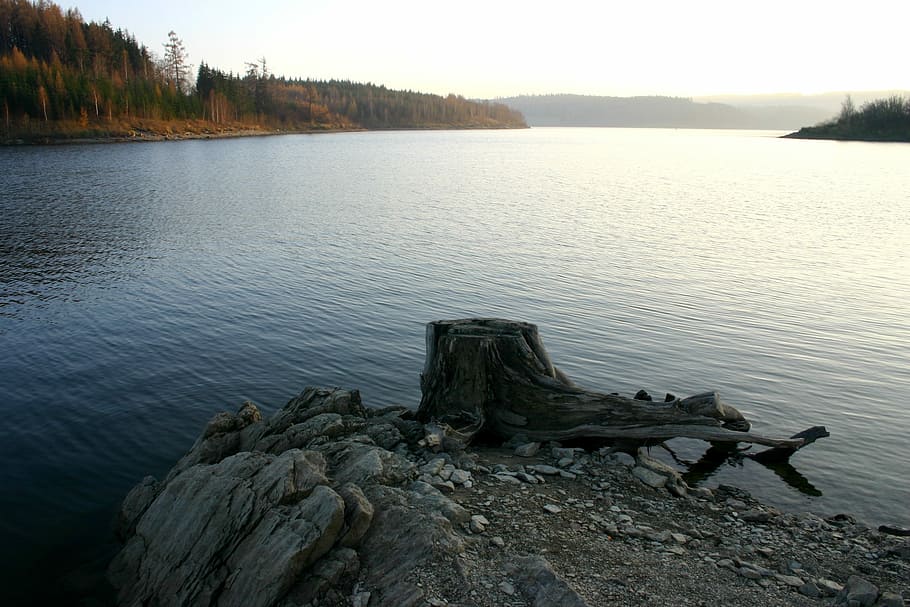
331	504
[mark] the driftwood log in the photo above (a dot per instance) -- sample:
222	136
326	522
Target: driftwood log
495	376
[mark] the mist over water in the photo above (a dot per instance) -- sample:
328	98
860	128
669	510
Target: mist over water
144	288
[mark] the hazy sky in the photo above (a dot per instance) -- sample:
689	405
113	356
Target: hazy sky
497	48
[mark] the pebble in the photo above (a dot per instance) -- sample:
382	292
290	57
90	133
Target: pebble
507	478
527	450
479	523
810	590
528	478
561	453
789	580
649	477
433	467
460	477
552	508
497	541
544	469
507	588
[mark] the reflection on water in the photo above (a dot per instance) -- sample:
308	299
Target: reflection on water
144	287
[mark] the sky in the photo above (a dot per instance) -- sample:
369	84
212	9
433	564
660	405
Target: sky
489	49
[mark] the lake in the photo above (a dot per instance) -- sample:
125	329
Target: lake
145	287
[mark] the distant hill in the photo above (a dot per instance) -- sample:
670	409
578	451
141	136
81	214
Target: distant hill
666	112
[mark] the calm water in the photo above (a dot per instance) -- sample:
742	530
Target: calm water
145	287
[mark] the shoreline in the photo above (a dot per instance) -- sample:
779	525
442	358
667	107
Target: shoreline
143	136
403	522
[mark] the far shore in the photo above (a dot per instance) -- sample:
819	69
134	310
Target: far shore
196	130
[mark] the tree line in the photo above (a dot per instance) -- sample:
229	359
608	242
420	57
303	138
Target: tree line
886	119
58	69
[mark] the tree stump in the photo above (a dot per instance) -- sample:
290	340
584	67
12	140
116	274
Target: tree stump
495	376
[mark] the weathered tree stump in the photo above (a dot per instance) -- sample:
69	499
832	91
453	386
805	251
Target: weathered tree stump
495	376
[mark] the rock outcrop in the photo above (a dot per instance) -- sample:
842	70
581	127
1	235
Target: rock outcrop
330	504
320	505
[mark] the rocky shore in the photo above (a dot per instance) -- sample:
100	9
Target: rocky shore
328	503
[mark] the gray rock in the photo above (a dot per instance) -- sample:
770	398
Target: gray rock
749	573
444	486
623	459
134	505
789	580
479	523
358	514
507	478
361	464
433	467
460	477
232	507
552	508
384	434
564	453
649	477
540	585
528	478
828	587
859	590
507	588
497	541
811	590
527	450
755	516
890	599
543	469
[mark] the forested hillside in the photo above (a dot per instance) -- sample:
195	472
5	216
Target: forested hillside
63	77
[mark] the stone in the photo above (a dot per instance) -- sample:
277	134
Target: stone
540	584
507	588
433	467
274	513
552	508
358	514
749	573
497	541
890	599
543	469
623	459
789	580
755	516
528	478
810	590
507	478
563	453
527	449
479	523
649	477
460	477
444	486
828	587
859	590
